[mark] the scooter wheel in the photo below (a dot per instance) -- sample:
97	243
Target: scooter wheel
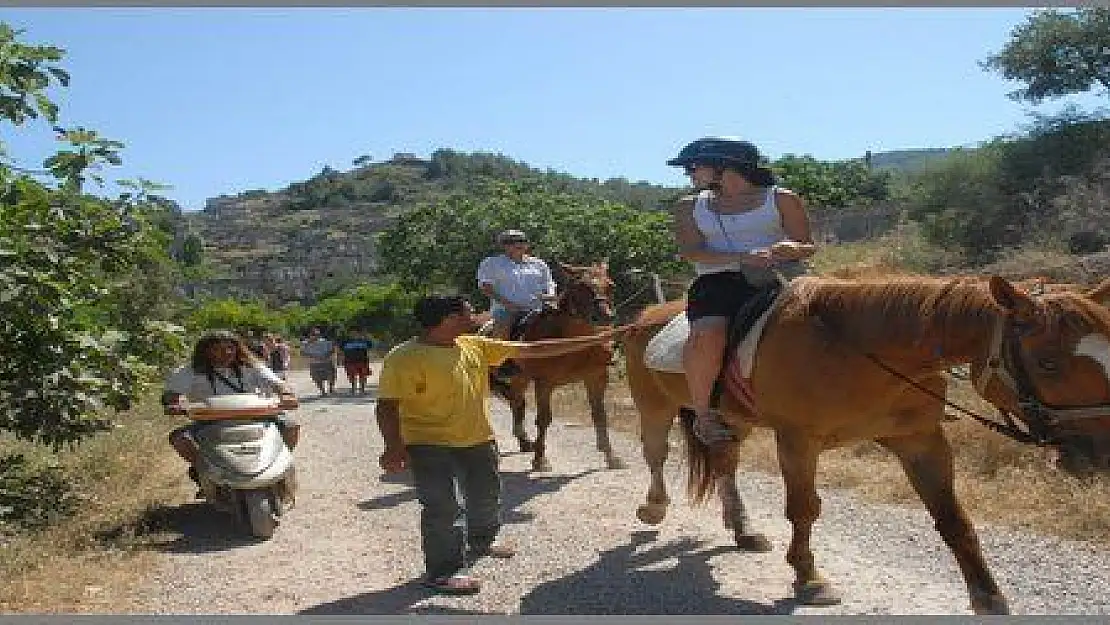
260	513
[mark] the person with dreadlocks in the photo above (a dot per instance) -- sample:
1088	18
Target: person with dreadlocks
222	364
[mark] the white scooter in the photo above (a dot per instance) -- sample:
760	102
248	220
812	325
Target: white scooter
244	465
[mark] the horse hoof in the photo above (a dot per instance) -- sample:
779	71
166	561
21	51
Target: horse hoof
614	463
816	592
982	603
541	465
527	446
754	543
651	513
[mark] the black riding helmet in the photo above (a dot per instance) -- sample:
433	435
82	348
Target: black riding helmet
718	152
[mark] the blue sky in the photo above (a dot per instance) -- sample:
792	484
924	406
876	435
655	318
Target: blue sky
216	101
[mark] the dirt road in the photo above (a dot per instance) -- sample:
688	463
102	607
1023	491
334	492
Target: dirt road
351	545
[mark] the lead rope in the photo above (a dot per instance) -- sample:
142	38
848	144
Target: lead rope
994	367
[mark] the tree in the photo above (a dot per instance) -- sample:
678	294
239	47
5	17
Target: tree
439	245
1057	53
85	282
192	251
231	314
959	203
26	72
836	184
384	310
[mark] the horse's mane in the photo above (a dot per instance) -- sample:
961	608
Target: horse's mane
894	309
906	309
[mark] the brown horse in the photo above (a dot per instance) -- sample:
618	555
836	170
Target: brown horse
854	360
584	303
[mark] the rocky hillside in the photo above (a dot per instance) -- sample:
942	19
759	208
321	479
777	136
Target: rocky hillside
318	236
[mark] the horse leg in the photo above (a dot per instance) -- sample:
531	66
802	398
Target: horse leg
798	461
515	397
595	390
655	430
543	421
927	461
732	506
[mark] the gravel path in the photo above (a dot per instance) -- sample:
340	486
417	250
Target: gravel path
351	545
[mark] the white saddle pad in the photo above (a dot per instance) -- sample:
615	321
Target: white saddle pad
664	350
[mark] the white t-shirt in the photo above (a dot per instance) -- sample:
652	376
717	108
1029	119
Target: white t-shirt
198	387
519	282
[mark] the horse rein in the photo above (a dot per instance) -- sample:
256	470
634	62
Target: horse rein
1040	417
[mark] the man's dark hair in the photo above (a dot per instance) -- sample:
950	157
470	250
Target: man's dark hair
431	311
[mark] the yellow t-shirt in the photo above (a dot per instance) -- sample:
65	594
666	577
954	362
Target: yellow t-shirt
442	391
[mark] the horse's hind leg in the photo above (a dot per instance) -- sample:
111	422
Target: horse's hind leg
543	422
798	461
595	390
927	461
518	406
732	505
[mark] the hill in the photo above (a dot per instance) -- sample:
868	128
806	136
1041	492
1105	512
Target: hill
318	236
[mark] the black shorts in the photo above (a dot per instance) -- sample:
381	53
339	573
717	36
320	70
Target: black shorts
718	295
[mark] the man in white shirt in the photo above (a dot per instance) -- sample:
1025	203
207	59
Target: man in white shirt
515	282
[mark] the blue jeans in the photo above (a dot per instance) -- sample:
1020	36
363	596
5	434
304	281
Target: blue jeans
449	527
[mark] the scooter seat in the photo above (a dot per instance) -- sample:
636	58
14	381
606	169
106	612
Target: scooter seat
227	432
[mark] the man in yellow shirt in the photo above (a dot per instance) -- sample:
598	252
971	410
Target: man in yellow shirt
433	417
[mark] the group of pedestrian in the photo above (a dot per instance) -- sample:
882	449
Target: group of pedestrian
352	352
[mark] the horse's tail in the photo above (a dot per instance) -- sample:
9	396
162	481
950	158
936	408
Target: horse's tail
700	474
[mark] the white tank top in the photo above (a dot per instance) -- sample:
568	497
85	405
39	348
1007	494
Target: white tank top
751	230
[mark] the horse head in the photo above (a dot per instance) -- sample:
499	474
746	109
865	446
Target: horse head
586	292
1048	363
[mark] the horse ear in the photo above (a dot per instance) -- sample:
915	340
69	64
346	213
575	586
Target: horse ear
1017	302
1101	293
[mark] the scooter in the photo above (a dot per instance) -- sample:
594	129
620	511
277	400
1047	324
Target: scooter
244	465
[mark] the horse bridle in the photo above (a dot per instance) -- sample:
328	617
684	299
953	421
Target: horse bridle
1005	353
1041	418
566	301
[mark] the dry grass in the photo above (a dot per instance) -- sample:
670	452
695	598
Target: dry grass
88	562
998	480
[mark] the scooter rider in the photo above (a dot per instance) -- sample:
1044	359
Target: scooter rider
221	365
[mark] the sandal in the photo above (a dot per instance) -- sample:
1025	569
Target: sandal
496	550
457	584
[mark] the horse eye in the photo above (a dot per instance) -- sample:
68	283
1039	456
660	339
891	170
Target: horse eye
1050	366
